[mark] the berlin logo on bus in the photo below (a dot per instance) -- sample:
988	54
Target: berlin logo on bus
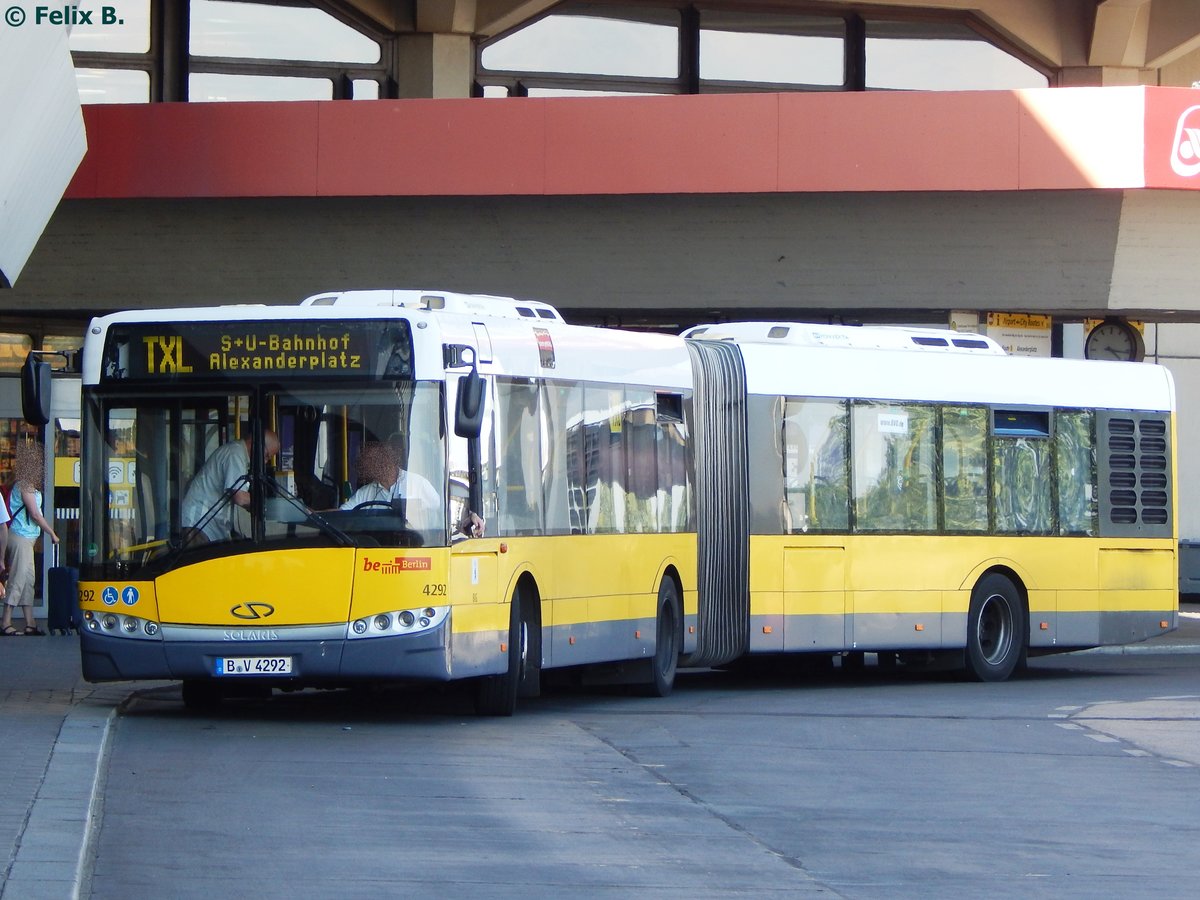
1185	151
398	565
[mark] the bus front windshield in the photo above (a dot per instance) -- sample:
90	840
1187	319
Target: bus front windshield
210	475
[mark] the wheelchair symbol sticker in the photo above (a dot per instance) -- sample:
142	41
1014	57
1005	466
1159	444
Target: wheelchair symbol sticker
109	596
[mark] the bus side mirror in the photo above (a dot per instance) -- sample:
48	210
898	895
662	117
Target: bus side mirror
468	405
35	391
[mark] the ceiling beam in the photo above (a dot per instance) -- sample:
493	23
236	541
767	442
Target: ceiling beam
1119	33
1174	31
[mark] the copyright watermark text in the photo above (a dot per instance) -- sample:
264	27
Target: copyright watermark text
66	14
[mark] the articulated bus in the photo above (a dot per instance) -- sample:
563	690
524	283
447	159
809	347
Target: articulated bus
648	501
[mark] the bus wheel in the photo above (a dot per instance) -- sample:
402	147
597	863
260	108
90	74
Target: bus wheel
201	694
995	629
666	642
497	694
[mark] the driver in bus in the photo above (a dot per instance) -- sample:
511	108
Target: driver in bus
381	469
221	479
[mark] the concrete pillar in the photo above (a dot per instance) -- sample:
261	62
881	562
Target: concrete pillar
1105	76
434	65
437	58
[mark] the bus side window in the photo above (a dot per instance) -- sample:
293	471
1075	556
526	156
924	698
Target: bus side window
894	466
964	468
640	432
674	482
768	507
1021	470
816	478
560	415
1075	459
518	482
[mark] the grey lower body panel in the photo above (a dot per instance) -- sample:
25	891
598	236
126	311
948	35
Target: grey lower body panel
598	642
915	631
834	633
1078	630
420	657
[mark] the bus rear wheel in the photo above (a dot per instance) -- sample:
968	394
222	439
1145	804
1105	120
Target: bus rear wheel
995	629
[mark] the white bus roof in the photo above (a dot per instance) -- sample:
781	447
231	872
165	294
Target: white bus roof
527	338
996	379
450	301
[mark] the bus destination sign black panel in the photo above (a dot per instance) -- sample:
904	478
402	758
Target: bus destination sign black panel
180	351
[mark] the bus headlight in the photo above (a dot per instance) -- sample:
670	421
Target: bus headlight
399	623
118	625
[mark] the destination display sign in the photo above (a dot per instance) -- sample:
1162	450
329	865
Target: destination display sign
179	351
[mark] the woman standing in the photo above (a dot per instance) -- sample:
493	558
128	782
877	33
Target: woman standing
26	526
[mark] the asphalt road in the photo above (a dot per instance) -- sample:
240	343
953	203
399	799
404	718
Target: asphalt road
1078	779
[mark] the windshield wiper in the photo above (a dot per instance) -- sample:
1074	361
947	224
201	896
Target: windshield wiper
183	542
311	517
178	543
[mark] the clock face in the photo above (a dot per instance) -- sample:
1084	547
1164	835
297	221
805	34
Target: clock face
1114	341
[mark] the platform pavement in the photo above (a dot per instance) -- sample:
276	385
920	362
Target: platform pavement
54	730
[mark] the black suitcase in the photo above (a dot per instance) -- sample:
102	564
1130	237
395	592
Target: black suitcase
62	598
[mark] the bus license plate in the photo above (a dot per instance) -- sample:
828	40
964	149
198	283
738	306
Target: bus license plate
254	665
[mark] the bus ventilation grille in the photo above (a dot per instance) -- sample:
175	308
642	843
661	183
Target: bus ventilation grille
1135	474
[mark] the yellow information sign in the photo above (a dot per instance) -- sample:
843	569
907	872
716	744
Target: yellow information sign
1027	321
1020	334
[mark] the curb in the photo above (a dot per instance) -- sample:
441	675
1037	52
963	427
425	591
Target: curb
56	838
1141	649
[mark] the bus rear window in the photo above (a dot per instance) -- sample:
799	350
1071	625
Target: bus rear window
1021	423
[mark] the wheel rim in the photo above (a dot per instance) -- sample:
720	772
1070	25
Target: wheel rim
522	648
994	630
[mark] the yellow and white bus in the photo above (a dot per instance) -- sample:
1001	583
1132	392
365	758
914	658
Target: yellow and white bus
921	493
650	500
578	458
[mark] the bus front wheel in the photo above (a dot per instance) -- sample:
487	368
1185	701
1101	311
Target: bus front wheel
995	629
497	694
200	694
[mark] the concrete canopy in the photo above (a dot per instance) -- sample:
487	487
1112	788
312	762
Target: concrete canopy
1079	202
480	18
1119	34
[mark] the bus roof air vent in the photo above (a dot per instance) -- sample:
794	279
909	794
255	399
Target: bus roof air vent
873	337
474	305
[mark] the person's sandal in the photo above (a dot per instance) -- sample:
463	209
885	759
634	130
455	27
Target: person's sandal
8	631
34	631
